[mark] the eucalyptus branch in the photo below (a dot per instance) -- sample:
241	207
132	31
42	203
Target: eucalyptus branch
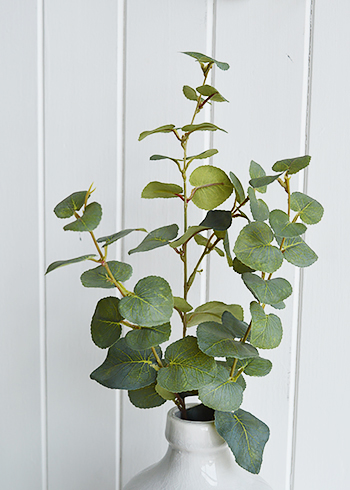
158	359
233	368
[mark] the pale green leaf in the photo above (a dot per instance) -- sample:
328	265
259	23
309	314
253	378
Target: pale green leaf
213	93
240	196
168	128
182	305
61	263
309	210
190	93
213	311
203	155
167	395
255	172
202	58
212	186
201	240
163	190
206	126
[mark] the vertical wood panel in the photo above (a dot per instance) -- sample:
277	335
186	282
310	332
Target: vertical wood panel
157	32
264	43
322	447
80	61
20	425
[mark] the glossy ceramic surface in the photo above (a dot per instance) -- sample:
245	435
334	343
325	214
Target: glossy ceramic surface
197	459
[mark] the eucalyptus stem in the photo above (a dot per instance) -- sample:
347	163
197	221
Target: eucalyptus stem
233	368
158	359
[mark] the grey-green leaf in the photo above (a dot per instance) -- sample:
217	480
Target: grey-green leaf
258	367
282	227
168	128
214	339
297	252
241	268
266	332
237	327
89	220
163	190
61	263
213	93
263	181
240	196
206	126
72	203
205	154
246	436
125	368
292	165
309	210
151	304
146	337
157	238
268	291
146	397
182	305
253	248
222	393
258	207
226	243
191	232
187	367
105	323
99	278
256	171
117	236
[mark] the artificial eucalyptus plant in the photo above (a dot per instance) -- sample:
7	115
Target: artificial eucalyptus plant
132	325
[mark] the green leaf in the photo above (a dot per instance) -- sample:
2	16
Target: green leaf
203	155
292	165
190	93
266	332
61	263
212	311
263	181
222	393
217	220
98	277
125	368
151	304
297	252
240	196
282	227
214	339
258	207
237	327
182	305
146	397
206	126
117	236
257	366
105	324
191	232
208	90
163	157
253	248
167	395
212	186
226	243
202	58
72	203
187	367
88	221
201	240
270	291
157	238
309	210
255	172
155	190
246	436
146	337
241	268
168	128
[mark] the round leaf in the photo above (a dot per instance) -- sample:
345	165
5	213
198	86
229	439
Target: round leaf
266	332
222	393
282	227
99	278
297	252
212	185
72	203
309	210
155	190
89	220
258	207
271	291
151	304
157	238
146	337
146	397
255	172
254	250
213	311
217	220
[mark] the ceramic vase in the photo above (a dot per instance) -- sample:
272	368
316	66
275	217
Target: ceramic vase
197	459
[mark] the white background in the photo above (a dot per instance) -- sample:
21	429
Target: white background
80	79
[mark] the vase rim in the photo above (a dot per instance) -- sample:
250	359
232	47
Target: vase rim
173	411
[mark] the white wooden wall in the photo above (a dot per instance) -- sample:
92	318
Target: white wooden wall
80	79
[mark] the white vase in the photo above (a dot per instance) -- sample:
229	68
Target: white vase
197	459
